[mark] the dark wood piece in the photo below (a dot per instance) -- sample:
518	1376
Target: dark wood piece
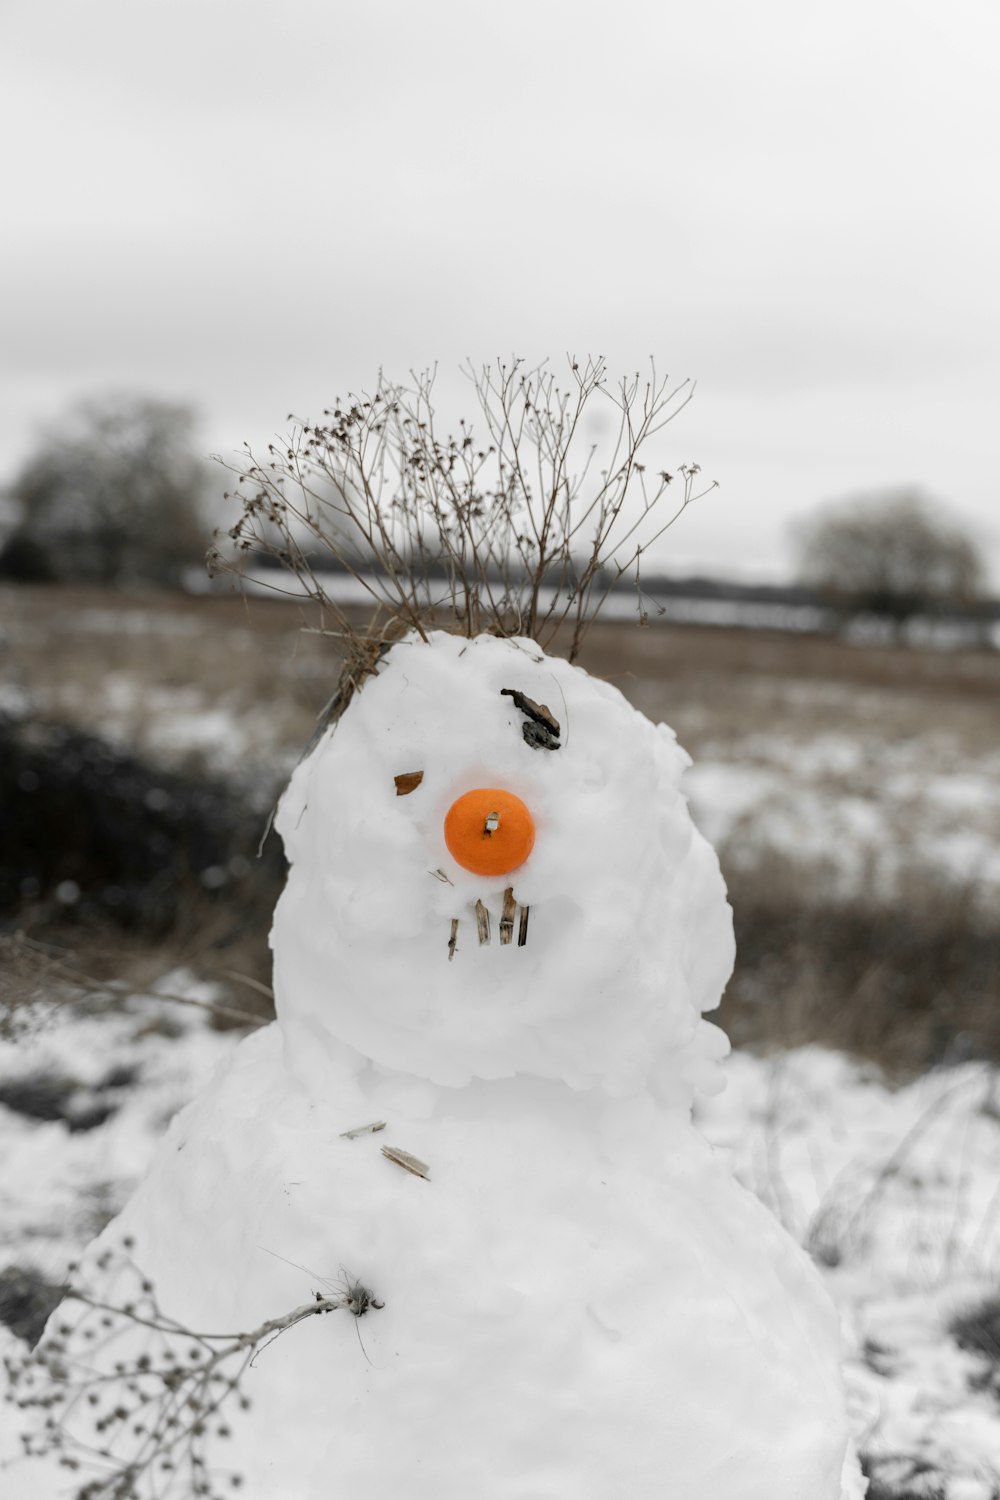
482	922
453	940
538	737
522	928
542	730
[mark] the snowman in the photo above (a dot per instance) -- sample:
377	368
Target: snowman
499	935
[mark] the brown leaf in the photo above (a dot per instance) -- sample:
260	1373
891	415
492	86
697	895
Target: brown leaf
407	781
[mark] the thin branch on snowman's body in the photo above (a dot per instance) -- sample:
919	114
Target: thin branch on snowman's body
157	1404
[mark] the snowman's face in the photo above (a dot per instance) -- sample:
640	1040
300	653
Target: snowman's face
494	872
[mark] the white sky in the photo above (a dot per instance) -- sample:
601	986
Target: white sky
253	205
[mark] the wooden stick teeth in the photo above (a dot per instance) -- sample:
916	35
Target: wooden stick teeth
522	930
507	916
453	940
406	1161
372	1129
482	922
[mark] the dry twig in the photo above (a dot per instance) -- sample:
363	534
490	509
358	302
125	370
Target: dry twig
139	1426
519	523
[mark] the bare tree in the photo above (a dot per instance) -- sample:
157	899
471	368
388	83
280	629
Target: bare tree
891	553
516	522
113	495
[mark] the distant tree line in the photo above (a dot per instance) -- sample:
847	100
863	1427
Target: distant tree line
895	554
114	495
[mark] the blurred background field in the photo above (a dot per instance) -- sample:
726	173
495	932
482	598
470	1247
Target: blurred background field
853	794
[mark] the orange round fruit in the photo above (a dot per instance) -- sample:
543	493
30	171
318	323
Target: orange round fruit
489	831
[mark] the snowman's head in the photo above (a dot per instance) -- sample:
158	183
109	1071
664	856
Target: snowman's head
494	871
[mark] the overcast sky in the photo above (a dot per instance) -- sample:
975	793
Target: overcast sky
252	206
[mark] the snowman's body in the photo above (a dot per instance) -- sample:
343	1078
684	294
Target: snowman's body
579	1301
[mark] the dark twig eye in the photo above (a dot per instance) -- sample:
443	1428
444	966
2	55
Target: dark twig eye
541	727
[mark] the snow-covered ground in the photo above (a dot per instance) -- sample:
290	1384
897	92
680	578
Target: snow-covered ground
895	1192
860	814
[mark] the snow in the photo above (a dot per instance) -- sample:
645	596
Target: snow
60	1185
860	819
895	1192
573	1246
809	1131
222	736
630	936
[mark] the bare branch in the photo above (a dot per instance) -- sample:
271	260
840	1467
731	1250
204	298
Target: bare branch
131	1397
518	531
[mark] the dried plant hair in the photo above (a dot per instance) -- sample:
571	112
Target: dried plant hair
520	522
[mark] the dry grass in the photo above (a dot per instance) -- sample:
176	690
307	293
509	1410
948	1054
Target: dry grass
909	984
106	661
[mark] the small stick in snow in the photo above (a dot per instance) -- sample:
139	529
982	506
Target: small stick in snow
522	930
352	1135
407	781
407	1162
453	940
482	922
507	916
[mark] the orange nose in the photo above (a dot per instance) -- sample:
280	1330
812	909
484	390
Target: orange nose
488	831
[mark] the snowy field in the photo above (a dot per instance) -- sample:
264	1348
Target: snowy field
894	1191
857	776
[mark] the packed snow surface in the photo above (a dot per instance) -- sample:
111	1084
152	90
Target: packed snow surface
893	1189
580	1301
630	938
